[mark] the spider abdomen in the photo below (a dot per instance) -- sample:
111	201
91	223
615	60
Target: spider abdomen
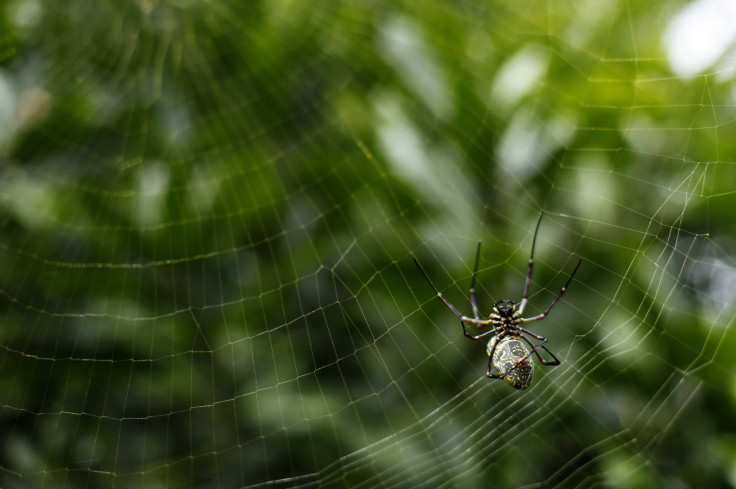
512	361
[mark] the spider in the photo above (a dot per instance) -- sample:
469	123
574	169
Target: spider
506	352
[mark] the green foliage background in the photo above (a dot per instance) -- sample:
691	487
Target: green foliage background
207	216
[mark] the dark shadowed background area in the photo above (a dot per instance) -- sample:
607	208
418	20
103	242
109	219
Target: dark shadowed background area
208	212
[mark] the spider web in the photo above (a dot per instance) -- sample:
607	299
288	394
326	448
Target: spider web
208	212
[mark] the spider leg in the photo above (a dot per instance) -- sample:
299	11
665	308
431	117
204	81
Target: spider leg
468	335
549	308
535	336
463	319
490	363
552	363
490	367
534	350
476	314
525	297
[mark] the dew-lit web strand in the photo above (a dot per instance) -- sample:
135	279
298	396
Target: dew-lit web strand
487	424
461	442
528	429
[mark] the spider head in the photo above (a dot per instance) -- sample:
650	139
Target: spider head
505	308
